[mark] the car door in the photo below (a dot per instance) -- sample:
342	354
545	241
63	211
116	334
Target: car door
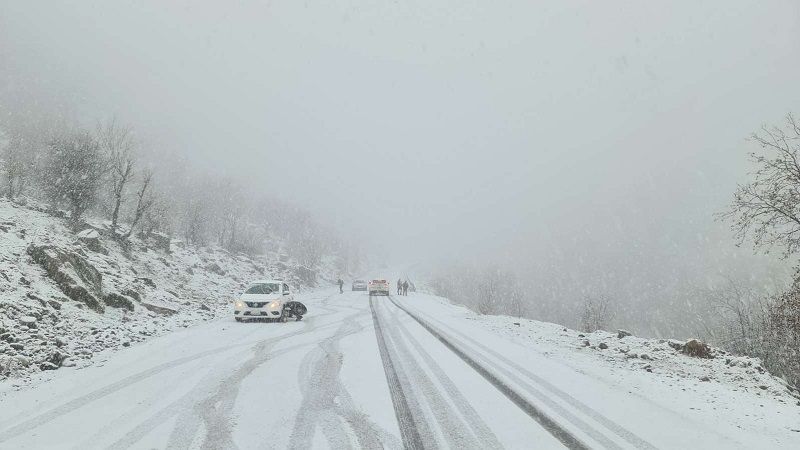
287	293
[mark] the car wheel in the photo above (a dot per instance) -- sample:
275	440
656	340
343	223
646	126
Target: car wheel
238	319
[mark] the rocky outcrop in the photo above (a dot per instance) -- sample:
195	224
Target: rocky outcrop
132	294
697	349
73	274
118	301
160	241
163	310
216	269
91	239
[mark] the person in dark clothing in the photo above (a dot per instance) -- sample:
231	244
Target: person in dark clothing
399	287
405	287
341	286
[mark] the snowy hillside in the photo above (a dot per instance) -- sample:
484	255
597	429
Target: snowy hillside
66	296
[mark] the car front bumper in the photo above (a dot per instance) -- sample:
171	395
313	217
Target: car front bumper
258	313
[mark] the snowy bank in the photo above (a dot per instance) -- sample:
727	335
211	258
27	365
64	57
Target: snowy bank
66	296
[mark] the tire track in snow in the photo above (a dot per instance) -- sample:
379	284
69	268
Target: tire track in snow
476	425
185	407
553	427
98	394
327	403
87	399
454	428
409	433
617	429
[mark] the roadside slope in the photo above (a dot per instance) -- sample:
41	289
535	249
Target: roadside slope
66	297
660	398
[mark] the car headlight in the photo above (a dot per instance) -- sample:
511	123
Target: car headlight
239	304
274	304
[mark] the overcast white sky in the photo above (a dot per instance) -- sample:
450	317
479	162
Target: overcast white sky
441	127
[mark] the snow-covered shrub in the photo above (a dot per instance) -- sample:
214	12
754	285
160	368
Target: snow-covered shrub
73	171
596	314
486	290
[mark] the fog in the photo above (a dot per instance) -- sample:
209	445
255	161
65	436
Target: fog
588	144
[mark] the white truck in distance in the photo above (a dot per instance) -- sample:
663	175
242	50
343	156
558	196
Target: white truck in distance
378	287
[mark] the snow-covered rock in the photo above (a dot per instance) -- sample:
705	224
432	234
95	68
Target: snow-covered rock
71	272
28	321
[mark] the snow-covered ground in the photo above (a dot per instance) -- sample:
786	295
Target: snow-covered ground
149	291
361	373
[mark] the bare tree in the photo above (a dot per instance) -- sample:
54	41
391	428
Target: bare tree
117	143
517	305
195	221
768	208
73	172
596	314
144	202
17	156
156	218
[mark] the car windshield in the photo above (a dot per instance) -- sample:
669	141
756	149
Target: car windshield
263	288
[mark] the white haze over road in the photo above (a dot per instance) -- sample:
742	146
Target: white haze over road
561	137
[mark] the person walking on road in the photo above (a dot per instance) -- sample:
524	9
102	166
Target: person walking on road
405	287
341	286
399	287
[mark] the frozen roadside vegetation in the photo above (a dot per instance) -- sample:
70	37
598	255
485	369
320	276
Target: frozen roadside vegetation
719	390
66	297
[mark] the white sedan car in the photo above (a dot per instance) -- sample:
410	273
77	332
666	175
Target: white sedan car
264	300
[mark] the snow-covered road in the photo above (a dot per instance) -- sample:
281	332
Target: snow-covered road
390	372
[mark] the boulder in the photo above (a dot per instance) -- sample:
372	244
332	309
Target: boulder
147	282
91	239
623	333
118	301
696	349
132	294
75	276
160	241
678	346
47	366
603	346
56	358
163	310
28	321
215	268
